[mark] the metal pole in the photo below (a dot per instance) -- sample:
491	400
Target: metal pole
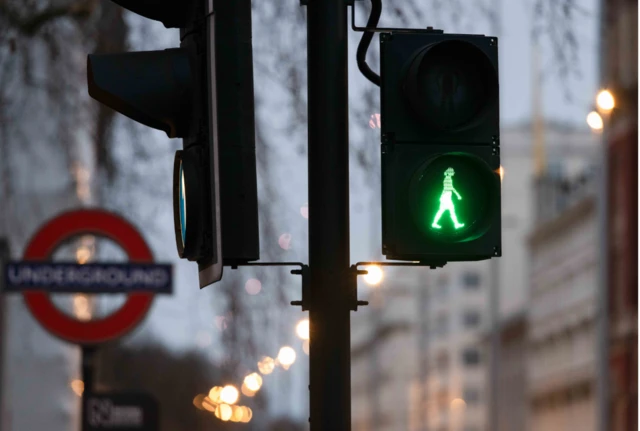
602	316
5	256
87	364
330	283
602	344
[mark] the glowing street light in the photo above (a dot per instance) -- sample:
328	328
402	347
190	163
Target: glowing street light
214	394
286	357
605	101
302	329
77	386
266	365
374	275
458	404
224	412
253	382
198	401
594	120
229	394
82	307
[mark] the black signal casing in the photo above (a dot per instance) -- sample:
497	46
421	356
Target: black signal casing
409	141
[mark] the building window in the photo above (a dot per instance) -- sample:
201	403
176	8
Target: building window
442	362
442	285
442	324
470	356
471	396
471	280
471	319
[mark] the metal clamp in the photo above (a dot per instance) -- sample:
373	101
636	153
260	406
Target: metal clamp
355	272
306	287
354	27
431	265
306	2
304	271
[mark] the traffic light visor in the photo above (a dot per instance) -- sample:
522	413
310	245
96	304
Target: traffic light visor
188	204
451	84
182	204
172	13
151	87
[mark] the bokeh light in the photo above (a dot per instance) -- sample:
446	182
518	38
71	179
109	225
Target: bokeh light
374	121
253	286
77	386
246	391
458	404
83	254
247	414
229	394
605	101
285	241
594	120
214	394
253	382
221	322
224	412
302	329
237	414
374	275
304	210
198	400
501	172
266	365
209	405
82	307
286	357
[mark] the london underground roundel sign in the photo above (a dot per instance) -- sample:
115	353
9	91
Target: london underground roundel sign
99	223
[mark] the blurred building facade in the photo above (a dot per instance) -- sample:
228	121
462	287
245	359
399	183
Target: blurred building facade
385	356
418	357
562	328
619	73
513	406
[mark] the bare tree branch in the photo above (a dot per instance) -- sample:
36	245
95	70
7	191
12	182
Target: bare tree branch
30	24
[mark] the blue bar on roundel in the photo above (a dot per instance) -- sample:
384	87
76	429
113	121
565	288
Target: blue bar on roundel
59	277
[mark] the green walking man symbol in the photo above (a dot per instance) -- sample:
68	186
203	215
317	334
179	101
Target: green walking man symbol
446	203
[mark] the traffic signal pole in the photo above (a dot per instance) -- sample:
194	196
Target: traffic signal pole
331	285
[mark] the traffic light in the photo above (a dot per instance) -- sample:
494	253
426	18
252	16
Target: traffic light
440	146
201	92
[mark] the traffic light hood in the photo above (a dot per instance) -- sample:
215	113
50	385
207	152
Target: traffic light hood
171	13
151	87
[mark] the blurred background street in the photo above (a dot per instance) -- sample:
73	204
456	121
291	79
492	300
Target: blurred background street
542	339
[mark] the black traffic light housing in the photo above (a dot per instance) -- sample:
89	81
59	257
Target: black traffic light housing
440	146
201	92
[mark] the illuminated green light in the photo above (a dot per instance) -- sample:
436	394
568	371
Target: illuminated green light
446	203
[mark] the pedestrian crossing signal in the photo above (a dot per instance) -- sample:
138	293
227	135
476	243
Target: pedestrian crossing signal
440	147
446	202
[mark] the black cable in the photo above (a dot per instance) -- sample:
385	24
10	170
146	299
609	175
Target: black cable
367	36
